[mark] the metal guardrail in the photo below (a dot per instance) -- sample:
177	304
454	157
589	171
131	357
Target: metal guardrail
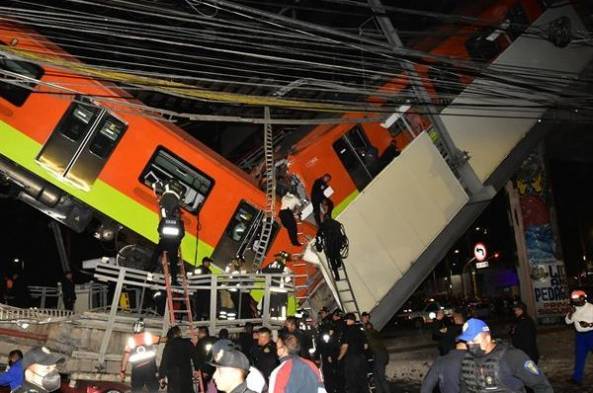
9	314
216	286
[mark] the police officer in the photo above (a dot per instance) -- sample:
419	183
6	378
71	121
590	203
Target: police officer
581	315
328	348
291	327
353	356
523	332
232	367
489	366
176	363
41	374
140	350
264	354
445	371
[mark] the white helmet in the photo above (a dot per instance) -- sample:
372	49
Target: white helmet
138	326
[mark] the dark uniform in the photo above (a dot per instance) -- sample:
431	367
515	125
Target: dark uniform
204	356
380	359
444	373
144	371
355	361
176	365
523	335
328	347
504	370
242	388
317	196
265	359
446	334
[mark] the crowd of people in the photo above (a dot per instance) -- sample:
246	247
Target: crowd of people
339	354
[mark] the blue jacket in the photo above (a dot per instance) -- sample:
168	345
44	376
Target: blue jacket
14	377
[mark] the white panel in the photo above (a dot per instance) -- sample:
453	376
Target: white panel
397	217
489	135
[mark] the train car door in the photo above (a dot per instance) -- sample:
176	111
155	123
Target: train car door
241	235
80	145
358	156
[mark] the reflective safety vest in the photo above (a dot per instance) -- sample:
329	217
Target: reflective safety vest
482	375
141	347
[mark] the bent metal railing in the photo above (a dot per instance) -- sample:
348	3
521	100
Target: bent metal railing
9	314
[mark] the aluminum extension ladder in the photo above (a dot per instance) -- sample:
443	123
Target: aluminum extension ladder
345	293
270	176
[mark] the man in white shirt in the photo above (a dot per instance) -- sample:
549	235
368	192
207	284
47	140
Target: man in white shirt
290	206
581	315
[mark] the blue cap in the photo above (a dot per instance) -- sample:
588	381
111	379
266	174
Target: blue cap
472	328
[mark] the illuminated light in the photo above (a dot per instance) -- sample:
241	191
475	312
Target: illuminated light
311	351
156	294
147	338
432	315
208	347
170	231
142	354
477	228
326	337
456	251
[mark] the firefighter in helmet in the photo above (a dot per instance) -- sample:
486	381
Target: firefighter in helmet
140	351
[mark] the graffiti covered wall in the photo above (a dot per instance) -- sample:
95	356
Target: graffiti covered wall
543	253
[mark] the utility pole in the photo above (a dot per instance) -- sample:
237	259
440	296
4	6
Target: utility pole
458	160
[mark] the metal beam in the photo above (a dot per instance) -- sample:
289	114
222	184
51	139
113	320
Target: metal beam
458	161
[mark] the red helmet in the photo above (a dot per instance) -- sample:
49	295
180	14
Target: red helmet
577	294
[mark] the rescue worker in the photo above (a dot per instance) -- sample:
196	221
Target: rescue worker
290	206
246	340
445	371
318	196
489	366
264	354
231	370
581	315
328	347
523	332
365	318
176	363
13	377
140	351
291	327
380	357
255	379
353	356
41	374
204	353
446	333
331	239
294	374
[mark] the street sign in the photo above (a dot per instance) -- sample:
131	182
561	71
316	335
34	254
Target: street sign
481	265
480	252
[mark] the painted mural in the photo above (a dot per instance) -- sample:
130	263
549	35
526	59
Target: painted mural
546	268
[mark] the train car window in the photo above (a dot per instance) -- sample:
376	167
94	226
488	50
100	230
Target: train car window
359	157
164	166
242	234
109	132
78	120
16	92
